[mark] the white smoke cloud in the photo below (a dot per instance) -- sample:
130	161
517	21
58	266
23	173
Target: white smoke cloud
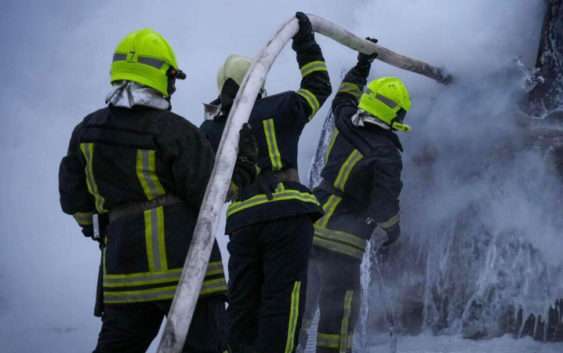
59	72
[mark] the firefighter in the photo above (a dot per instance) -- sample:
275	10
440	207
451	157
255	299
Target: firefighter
270	224
359	192
140	172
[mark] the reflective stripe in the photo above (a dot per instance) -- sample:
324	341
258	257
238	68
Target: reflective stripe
141	279
146	173
350	88
88	152
345	338
346	169
311	100
338	247
143	295
341	237
214	268
271	141
390	222
293	317
213	286
261	199
83	218
328	340
333	137
313	66
151	61
156	63
387	101
329	207
154	238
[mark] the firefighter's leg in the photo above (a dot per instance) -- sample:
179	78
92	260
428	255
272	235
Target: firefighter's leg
311	304
128	328
286	247
207	329
339	303
245	281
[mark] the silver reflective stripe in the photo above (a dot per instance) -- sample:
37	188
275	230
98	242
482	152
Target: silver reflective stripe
151	62
142	59
148	172
119	57
387	101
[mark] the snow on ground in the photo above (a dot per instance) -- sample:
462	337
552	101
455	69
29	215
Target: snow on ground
456	344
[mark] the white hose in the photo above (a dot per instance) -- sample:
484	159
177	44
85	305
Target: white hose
195	266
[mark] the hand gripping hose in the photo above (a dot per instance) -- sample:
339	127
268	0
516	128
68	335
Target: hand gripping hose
195	266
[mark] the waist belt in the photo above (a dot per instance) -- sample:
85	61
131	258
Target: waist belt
140	207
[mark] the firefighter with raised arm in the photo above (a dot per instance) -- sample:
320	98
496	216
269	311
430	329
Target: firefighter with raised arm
359	192
143	171
270	224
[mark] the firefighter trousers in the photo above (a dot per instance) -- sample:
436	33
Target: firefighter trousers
130	328
267	284
335	292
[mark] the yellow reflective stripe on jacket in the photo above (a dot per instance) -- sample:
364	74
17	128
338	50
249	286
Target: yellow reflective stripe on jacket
346	169
333	137
141	295
214	268
141	279
83	218
154	238
88	153
329	207
293	317
313	66
213	286
341	237
390	222
328	340
271	141
286	195
350	88
311	100
345	337
338	247
146	173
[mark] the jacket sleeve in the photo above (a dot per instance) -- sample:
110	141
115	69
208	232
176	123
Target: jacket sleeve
191	158
351	87
386	166
315	82
73	190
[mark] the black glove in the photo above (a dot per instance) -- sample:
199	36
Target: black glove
367	58
305	32
245	168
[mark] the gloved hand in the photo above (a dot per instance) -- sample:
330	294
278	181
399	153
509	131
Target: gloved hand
245	169
367	58
305	32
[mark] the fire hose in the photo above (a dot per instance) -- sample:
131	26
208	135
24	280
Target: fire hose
187	292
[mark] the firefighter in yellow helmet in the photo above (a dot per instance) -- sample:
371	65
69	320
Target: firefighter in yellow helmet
134	177
359	192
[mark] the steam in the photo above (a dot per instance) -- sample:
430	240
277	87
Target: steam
59	72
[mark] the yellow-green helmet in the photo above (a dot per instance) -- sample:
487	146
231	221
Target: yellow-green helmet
388	100
145	57
234	68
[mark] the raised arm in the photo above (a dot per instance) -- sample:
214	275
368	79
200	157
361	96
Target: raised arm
315	82
353	84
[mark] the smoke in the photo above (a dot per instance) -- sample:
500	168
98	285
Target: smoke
56	71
